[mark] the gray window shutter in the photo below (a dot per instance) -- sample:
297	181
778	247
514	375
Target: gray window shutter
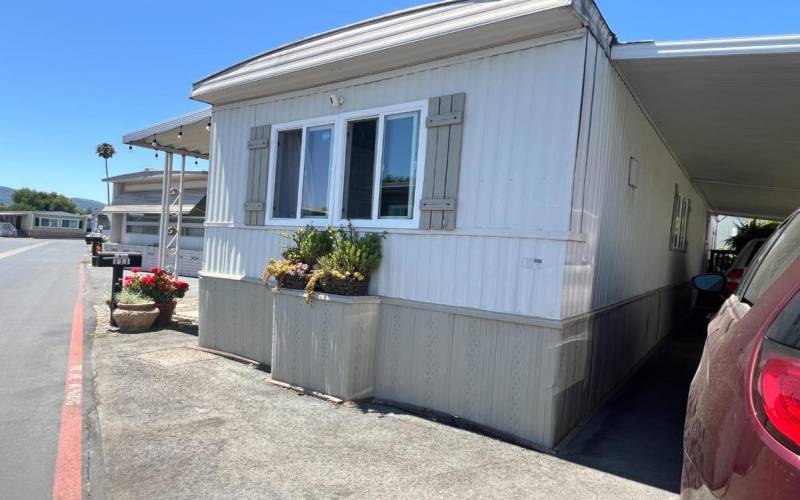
257	170
442	162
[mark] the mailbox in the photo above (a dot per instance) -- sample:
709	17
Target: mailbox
118	261
96	242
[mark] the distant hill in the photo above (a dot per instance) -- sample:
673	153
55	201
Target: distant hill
85	204
82	203
5	195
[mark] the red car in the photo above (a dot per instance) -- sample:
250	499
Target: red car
742	431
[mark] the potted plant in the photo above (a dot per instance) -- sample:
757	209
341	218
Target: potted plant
347	269
161	287
135	312
300	259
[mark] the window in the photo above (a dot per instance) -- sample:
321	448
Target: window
398	166
46	222
680	221
69	224
149	224
781	251
302	171
360	165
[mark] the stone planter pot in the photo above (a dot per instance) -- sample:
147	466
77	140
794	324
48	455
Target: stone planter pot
166	310
135	318
326	346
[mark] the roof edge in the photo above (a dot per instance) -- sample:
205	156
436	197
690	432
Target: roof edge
773	44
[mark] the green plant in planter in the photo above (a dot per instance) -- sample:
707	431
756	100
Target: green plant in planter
132	298
350	264
301	258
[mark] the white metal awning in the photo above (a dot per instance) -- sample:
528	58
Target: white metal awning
149	202
188	135
728	109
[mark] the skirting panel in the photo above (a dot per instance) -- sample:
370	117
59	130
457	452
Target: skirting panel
532	383
494	373
601	351
236	317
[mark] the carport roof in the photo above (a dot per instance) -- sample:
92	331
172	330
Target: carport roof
728	109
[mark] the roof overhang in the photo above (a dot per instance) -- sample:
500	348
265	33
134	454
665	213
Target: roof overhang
149	202
397	40
728	110
185	135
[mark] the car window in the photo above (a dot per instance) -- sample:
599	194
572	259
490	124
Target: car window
756	247
781	251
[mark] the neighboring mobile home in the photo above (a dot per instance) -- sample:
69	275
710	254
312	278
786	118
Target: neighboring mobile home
541	232
44	224
135	213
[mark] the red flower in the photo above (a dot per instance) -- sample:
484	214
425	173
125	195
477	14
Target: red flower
136	269
148	280
157	270
181	285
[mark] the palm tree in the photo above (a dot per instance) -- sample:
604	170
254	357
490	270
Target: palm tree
749	230
106	151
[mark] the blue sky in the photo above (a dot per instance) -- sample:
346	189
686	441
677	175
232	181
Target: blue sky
74	74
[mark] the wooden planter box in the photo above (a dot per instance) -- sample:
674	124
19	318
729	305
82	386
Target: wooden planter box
326	346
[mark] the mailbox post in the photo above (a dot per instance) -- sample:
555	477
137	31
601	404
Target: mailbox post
96	243
118	261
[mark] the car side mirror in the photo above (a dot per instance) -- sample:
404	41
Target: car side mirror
710	282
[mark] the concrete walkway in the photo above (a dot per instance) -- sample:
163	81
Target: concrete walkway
176	422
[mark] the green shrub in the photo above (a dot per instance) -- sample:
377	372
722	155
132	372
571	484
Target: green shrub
310	244
353	257
132	298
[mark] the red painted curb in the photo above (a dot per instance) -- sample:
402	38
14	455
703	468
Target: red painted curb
67	484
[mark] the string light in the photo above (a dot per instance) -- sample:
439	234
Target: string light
130	148
180	133
156	153
208	125
153	142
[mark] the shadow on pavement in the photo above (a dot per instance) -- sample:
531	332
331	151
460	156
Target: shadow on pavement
638	432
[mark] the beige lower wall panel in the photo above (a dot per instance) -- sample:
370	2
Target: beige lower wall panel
236	317
494	373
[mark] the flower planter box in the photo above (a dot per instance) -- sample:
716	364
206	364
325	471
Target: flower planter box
326	346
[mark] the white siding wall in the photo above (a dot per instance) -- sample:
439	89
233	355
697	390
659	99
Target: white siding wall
521	121
627	230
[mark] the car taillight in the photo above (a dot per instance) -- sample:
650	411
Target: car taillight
778	383
732	278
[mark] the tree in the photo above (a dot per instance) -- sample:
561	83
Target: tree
26	199
106	151
750	230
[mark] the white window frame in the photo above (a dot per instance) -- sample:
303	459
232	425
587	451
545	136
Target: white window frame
336	174
679	229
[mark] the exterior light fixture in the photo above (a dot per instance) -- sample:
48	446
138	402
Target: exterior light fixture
208	125
336	100
180	133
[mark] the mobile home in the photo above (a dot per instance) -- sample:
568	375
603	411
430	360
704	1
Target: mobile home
135	213
541	228
44	224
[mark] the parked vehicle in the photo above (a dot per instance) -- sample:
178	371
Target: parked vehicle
742	431
740	263
8	229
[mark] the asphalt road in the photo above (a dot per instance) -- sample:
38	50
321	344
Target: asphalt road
38	287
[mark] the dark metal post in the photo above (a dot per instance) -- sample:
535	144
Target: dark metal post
116	287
